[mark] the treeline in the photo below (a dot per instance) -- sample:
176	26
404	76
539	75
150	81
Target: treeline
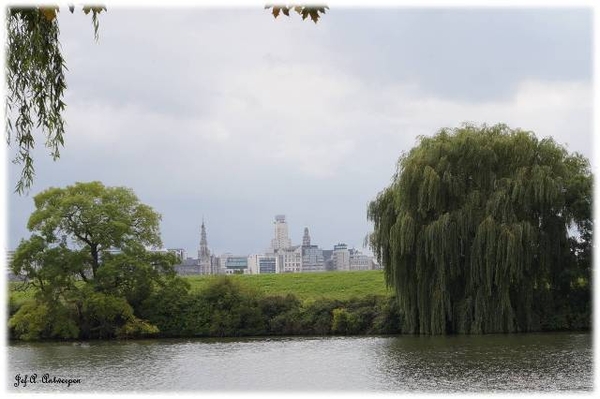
227	308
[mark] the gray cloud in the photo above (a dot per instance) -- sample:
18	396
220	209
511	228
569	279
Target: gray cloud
469	54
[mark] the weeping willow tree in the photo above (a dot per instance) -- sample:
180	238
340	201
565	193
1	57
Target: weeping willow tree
480	226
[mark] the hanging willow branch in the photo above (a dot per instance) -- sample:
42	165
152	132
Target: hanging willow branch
475	227
35	76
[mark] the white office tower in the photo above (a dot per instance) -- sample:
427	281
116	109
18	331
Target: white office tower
341	257
281	239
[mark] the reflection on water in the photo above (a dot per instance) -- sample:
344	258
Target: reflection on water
539	362
519	362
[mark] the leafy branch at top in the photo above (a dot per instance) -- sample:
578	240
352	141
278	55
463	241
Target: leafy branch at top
312	11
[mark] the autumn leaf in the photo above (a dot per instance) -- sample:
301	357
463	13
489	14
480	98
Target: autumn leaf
305	11
49	13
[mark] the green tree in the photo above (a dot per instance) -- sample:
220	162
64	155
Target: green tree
95	218
78	279
481	226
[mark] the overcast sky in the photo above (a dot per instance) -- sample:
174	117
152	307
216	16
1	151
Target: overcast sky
232	116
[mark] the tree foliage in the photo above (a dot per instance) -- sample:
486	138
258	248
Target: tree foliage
479	226
35	76
88	265
95	218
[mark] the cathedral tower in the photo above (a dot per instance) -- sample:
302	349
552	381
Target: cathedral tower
204	252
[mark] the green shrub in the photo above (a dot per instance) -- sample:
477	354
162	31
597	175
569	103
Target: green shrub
36	320
226	308
168	308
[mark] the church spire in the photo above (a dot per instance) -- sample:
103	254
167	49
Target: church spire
203	253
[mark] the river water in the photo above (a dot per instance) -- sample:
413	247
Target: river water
512	362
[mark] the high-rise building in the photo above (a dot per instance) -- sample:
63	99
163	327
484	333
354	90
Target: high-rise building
281	239
341	257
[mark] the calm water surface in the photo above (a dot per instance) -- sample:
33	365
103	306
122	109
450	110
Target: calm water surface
519	362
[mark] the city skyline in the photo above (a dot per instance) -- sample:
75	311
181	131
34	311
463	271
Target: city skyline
204	237
234	115
282	256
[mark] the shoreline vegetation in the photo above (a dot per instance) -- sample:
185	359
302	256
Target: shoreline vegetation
306	304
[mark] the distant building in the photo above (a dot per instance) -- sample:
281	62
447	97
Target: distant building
267	264
290	259
205	260
312	259
341	257
281	239
188	266
312	255
263	264
306	238
235	264
359	261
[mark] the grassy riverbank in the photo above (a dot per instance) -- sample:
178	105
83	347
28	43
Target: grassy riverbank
305	286
330	285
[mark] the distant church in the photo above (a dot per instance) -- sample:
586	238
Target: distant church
204	264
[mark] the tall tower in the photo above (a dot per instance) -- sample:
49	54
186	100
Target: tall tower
281	239
306	238
203	252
